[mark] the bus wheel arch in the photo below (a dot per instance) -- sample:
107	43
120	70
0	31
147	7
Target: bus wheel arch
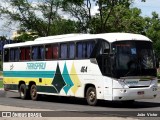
90	94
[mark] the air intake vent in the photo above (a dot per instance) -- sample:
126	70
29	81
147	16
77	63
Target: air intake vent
138	86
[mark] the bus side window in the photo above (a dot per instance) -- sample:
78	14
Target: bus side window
79	50
41	48
11	58
22	53
84	49
34	53
6	55
37	53
55	51
90	46
27	53
49	52
71	50
63	48
14	54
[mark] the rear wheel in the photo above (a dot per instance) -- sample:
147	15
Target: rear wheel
33	92
23	91
91	96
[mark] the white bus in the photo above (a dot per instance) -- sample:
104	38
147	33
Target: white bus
109	66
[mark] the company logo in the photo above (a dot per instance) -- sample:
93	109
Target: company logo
36	66
11	67
132	82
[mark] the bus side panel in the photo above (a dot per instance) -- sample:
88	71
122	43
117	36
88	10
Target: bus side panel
108	88
66	78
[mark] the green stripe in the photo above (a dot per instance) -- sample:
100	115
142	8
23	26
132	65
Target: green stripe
34	74
11	86
47	89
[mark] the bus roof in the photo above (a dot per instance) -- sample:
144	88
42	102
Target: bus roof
110	37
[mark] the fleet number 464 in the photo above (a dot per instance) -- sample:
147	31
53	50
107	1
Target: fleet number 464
84	69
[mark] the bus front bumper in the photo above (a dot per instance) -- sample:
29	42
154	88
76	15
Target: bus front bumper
134	93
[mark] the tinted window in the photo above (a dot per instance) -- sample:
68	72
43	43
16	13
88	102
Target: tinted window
49	52
37	53
14	54
6	55
80	50
22	54
84	49
55	51
71	50
63	48
11	54
25	53
90	46
104	46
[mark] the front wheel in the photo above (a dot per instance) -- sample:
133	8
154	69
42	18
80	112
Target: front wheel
33	92
91	96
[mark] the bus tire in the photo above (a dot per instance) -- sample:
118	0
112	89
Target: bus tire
23	91
33	92
91	96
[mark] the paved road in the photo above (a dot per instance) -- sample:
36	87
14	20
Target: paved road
72	104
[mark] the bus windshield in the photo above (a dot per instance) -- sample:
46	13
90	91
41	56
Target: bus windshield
133	58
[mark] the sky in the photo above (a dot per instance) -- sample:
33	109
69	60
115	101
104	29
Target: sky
146	7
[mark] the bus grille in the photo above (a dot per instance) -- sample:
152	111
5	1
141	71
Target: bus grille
138	86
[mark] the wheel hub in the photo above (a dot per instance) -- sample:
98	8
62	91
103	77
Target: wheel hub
92	96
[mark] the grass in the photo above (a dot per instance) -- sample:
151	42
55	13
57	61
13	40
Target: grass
1	73
1	84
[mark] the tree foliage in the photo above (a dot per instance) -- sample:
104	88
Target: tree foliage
53	17
3	38
152	30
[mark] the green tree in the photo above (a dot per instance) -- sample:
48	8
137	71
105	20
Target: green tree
25	36
80	11
37	17
3	38
152	30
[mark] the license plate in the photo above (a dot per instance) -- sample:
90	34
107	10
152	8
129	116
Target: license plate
140	92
